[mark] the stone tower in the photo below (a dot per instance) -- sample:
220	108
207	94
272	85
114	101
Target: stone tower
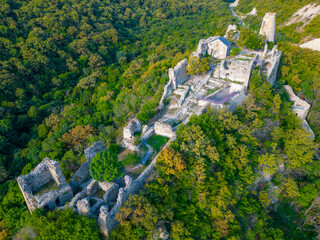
268	26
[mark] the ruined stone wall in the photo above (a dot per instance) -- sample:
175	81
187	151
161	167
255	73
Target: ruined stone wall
83	172
177	76
300	107
45	171
235	70
218	50
268	26
274	65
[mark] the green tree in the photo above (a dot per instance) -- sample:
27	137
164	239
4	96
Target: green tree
105	166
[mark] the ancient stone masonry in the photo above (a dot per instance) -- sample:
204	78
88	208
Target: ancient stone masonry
83	174
300	108
268	26
164	129
236	69
45	186
133	127
217	47
177	75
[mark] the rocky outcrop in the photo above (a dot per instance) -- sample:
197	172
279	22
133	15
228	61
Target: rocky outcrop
45	187
253	12
313	44
268	26
305	14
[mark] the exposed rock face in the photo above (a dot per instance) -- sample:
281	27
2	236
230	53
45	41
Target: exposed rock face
235	4
202	48
83	173
133	126
160	232
300	108
313	44
164	129
305	14
177	75
232	34
268	26
46	172
253	12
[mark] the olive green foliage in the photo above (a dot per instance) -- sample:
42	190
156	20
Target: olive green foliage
250	39
63	224
199	66
105	166
235	51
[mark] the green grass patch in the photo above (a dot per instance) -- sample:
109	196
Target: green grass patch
131	159
157	142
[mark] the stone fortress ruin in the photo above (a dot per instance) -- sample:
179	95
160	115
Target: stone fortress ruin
45	187
223	86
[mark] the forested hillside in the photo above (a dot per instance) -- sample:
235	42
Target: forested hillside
73	72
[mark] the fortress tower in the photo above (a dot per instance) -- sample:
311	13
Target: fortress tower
268	26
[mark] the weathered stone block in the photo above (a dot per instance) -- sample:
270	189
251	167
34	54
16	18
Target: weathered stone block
92	188
111	192
164	129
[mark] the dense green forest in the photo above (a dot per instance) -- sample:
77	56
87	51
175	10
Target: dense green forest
74	72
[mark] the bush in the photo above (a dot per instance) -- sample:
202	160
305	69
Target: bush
235	51
105	166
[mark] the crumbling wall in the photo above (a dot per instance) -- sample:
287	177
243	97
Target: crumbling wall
83	173
268	26
177	75
46	171
274	60
235	70
106	220
133	126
